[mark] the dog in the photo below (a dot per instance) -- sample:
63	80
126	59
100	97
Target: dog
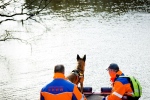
77	75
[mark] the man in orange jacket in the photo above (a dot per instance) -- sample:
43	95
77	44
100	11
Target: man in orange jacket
60	88
120	86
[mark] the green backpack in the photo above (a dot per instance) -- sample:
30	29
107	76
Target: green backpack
135	85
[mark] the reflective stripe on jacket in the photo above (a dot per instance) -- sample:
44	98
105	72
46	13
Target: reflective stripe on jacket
121	86
60	89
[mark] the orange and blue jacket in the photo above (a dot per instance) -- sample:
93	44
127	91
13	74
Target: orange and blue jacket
121	86
60	89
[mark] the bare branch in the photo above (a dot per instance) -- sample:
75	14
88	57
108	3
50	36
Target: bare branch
6	20
3	15
28	14
8	36
5	4
45	5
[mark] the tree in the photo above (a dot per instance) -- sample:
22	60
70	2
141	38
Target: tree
14	9
20	10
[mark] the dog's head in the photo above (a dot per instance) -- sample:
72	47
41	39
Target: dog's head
81	62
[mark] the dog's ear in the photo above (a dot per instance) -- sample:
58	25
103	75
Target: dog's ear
84	58
78	57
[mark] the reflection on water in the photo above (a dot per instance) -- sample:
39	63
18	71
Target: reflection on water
67	8
110	6
75	26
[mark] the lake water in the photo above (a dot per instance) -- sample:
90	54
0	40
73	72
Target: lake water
62	33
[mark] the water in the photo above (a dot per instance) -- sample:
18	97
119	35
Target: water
104	36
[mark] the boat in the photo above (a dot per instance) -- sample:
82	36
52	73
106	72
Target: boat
104	91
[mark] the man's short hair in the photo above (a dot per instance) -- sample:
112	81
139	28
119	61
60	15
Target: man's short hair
59	68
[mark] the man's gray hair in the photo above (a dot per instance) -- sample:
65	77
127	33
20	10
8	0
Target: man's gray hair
59	68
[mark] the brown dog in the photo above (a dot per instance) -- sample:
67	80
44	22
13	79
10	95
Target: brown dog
77	75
